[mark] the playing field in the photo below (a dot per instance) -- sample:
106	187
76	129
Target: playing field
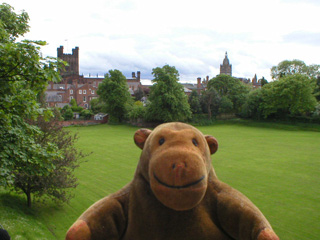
277	167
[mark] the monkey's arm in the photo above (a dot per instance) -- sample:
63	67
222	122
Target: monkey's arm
105	219
239	217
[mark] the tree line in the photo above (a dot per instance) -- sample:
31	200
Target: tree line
293	93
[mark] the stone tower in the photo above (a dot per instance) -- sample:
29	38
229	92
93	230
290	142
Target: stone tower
226	67
71	59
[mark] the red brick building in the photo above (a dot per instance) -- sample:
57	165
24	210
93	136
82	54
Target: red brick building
75	86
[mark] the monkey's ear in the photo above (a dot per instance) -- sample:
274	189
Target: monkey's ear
212	143
141	136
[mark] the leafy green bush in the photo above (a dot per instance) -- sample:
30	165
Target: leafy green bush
226	105
290	95
86	114
201	120
251	108
73	102
137	112
96	105
77	109
68	114
194	102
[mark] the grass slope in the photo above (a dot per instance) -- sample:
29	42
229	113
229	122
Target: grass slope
277	168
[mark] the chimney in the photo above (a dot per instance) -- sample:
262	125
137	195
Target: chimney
198	81
139	74
198	84
133	75
207	79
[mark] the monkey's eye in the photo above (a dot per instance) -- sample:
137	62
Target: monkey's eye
195	142
161	141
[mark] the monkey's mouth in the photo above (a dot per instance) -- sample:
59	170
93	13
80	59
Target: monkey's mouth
178	187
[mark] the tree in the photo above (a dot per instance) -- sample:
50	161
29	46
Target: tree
86	114
67	113
138	94
317	89
194	102
24	74
231	88
74	106
292	67
55	183
290	95
12	25
252	106
137	111
263	81
73	103
287	67
113	91
226	105
96	105
77	109
210	102
168	101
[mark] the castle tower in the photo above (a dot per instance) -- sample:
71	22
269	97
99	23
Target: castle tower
71	59
226	67
255	80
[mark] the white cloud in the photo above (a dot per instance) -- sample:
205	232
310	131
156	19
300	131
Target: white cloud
133	35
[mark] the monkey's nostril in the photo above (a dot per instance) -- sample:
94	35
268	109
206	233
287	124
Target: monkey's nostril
173	166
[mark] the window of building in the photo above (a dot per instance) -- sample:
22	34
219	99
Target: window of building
84	91
80	91
84	98
71	91
71	97
92	91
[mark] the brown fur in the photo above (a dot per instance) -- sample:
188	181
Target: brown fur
175	194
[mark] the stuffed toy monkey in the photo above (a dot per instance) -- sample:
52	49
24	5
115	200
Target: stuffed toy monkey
174	195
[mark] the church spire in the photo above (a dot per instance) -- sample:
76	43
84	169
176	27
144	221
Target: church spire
226	60
226	67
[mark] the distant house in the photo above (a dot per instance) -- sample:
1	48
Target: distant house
187	91
199	86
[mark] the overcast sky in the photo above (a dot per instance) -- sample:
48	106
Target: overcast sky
193	36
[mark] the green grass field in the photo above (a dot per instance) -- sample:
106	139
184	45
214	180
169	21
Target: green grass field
276	166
